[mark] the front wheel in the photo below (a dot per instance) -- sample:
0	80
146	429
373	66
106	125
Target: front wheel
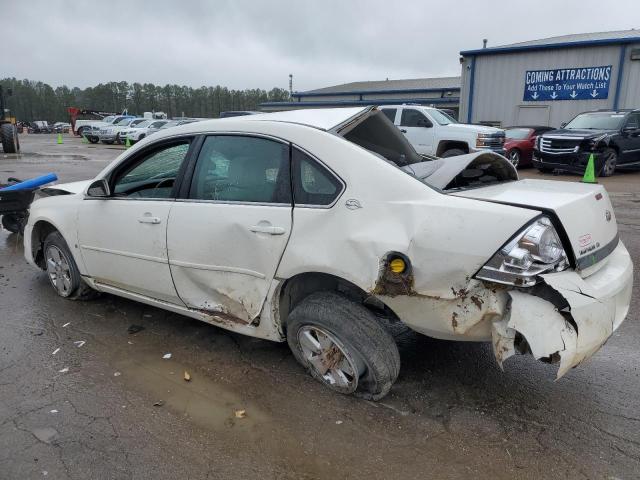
454	152
12	223
62	270
9	138
343	345
609	162
94	139
514	157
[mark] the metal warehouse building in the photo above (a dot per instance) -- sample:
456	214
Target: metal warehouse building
443	92
549	81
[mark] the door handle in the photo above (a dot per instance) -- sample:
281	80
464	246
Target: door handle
403	130
147	218
267	229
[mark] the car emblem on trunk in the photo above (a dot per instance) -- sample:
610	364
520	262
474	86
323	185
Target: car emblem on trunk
352	204
607	215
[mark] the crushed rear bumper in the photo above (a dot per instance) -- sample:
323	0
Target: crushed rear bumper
593	308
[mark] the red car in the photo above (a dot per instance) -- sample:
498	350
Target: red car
519	142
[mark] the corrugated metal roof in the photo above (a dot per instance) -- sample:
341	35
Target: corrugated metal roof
595	38
386	85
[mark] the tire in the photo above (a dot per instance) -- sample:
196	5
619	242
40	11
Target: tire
62	270
12	223
454	152
609	163
514	156
94	139
142	135
80	130
9	138
328	327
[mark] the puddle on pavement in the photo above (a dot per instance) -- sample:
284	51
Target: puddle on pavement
205	401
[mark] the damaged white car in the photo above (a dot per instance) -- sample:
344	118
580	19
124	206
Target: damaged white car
319	227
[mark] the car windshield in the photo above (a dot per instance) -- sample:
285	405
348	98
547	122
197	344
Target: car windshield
442	118
596	121
173	123
108	119
123	122
517	133
142	124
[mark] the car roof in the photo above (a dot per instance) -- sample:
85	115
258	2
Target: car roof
321	118
533	127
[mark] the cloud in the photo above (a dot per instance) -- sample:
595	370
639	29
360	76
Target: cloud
256	44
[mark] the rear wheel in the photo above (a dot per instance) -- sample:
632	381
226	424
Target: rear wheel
9	138
343	345
454	152
609	162
94	139
62	270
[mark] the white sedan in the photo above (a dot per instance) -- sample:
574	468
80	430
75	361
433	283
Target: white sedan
323	227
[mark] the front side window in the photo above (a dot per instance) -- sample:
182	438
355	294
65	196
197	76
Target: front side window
413	118
634	121
234	168
313	184
152	175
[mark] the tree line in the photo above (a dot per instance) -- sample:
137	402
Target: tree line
33	100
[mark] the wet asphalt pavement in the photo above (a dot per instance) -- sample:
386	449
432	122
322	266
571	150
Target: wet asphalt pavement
113	408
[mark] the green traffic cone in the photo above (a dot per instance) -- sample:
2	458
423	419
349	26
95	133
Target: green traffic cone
84	139
127	143
590	171
59	139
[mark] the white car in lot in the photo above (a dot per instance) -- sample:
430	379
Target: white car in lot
144	130
114	133
324	227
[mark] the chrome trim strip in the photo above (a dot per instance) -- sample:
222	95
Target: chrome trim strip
598	255
217	268
125	254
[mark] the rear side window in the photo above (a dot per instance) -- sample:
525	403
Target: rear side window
236	168
390	113
313	184
413	118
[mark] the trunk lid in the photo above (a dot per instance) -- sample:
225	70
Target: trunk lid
584	210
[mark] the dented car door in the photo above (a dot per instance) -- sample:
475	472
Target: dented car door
226	237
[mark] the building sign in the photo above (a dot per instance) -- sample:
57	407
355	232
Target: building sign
587	83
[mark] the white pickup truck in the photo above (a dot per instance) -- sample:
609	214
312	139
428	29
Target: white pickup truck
433	132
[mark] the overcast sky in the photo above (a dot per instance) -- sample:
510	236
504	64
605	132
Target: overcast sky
256	44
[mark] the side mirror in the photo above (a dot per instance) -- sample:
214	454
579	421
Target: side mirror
99	189
563	124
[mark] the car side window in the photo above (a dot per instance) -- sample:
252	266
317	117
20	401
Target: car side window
152	174
634	121
390	113
414	118
235	168
313	184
